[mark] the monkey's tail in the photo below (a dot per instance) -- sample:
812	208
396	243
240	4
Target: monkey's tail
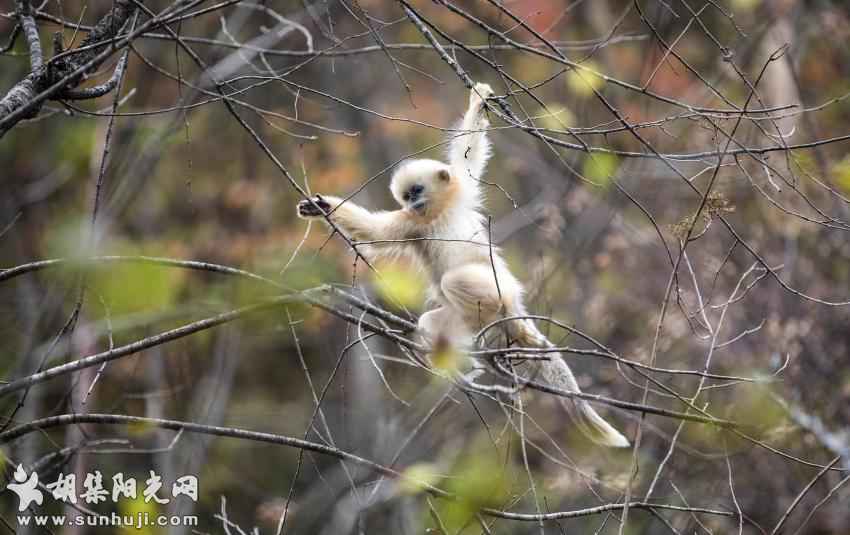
556	373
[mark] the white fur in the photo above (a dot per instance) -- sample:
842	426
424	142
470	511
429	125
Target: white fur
470	284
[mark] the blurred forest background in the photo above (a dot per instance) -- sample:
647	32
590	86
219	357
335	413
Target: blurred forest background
330	96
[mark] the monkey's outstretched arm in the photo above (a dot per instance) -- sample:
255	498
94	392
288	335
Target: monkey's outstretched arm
357	222
468	153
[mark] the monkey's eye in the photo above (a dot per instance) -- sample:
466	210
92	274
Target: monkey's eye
417	189
406	196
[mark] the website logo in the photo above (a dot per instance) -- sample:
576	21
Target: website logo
95	490
26	488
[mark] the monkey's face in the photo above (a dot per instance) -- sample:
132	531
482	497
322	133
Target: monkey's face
421	186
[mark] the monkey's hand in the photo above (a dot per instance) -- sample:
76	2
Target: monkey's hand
478	95
318	207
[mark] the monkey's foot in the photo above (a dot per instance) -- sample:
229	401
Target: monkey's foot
317	208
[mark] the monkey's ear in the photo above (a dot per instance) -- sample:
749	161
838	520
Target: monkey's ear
444	175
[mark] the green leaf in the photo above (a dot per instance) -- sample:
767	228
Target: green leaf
417	477
600	168
400	286
841	175
137	508
582	83
136	287
445	356
556	117
478	481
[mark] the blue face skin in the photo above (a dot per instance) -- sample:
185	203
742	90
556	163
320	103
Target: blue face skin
413	197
